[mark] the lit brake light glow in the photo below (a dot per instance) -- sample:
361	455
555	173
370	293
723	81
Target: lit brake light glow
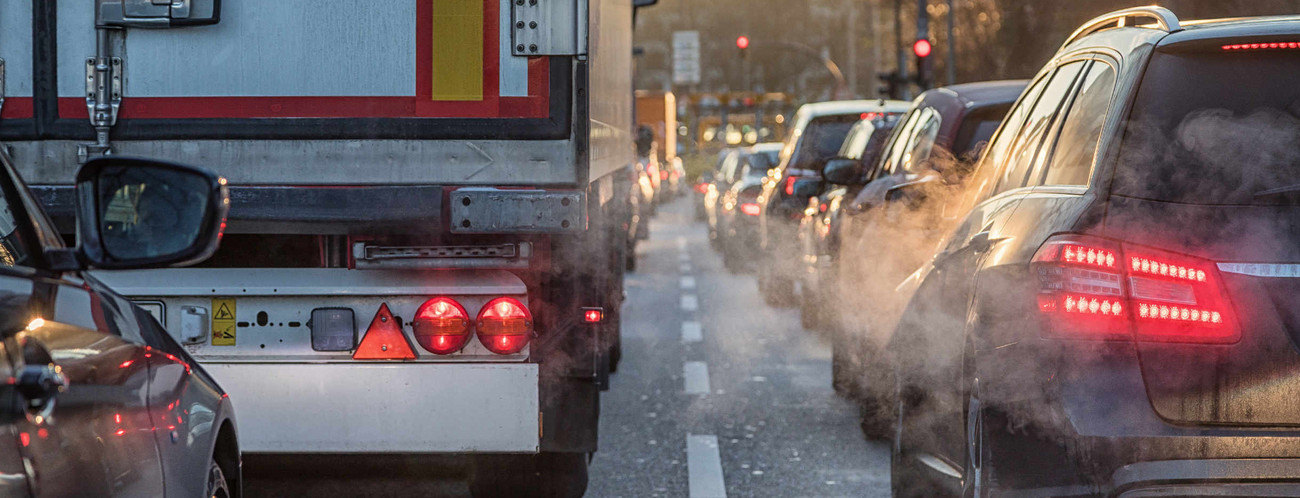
750	208
1157	296
504	325
441	326
701	187
1262	46
593	315
789	184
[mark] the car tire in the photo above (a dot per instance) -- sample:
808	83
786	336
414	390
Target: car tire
217	486
544	475
905	480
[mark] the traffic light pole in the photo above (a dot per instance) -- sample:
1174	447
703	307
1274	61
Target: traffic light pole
902	50
923	79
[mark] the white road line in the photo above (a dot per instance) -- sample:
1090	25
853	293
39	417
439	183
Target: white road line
684	257
697	377
681	243
690	303
704	467
688	282
692	332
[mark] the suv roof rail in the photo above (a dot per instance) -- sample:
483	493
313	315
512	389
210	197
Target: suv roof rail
1163	17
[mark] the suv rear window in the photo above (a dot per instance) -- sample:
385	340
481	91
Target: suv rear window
1215	128
821	140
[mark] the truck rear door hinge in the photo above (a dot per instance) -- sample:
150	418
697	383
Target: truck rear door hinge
549	27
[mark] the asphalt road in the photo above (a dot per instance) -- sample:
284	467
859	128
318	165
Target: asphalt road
717	395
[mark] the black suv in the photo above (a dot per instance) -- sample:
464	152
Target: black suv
1118	313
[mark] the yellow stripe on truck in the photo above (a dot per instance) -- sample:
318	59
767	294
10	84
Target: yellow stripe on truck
457	50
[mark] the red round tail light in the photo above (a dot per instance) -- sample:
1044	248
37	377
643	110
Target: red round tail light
504	325
441	326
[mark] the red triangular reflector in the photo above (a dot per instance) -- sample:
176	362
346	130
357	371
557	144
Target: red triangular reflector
384	339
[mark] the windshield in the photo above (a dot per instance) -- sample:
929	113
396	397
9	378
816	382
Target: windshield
821	140
1227	140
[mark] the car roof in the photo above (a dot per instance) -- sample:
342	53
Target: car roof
818	109
1128	38
985	93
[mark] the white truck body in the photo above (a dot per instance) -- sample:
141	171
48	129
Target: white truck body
427	147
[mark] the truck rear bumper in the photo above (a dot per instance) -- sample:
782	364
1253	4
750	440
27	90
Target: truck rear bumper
383	407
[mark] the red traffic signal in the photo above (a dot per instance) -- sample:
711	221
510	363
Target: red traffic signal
922	48
742	42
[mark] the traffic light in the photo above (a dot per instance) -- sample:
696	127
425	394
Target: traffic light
742	42
922	49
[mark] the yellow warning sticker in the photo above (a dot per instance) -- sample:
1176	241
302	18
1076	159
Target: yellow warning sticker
223	322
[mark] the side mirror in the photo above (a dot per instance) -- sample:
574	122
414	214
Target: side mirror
140	213
912	193
156	14
843	171
805	188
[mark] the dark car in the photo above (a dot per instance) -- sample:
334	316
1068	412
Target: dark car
851	276
737	209
1117	313
101	401
819	228
735	166
818	132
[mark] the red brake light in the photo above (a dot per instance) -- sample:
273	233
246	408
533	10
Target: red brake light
1236	47
702	187
441	326
789	184
663	174
384	339
593	315
750	208
1087	291
504	325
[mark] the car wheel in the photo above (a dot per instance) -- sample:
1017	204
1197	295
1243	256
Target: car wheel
218	486
544	475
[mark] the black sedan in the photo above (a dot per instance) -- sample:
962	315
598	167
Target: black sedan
100	401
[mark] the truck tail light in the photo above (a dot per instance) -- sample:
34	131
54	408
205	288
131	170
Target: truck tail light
441	326
504	325
384	339
1093	288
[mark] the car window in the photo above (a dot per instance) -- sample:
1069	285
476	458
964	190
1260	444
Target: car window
986	171
856	143
821	140
1227	140
893	154
14	249
1024	149
1076	146
977	128
922	140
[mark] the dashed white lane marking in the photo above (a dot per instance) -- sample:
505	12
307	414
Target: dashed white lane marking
704	467
690	303
692	332
697	377
688	282
681	243
683	257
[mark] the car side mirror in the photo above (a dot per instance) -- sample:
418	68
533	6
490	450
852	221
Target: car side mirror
140	213
912	193
843	171
804	188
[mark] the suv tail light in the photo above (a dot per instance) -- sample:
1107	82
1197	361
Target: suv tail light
441	326
1094	288
789	184
384	339
504	325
